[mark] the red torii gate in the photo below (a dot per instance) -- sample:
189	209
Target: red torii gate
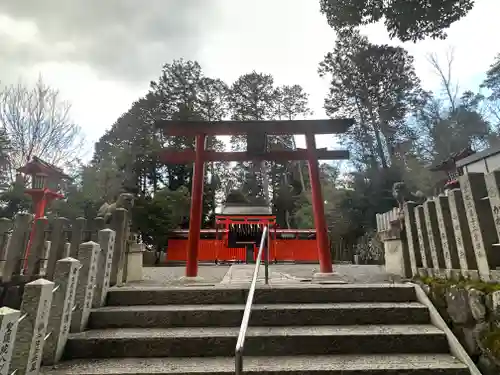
200	129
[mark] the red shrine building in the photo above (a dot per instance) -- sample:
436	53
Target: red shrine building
237	235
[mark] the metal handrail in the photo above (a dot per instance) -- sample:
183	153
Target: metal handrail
238	354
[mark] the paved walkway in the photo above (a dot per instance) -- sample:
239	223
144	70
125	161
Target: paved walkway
279	273
243	273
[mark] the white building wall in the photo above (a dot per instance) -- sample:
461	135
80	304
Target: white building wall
476	167
493	162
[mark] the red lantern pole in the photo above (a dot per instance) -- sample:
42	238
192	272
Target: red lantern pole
41	198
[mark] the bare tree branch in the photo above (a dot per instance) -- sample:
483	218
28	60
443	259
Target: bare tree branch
451	88
37	123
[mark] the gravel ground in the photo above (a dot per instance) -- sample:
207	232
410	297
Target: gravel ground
211	274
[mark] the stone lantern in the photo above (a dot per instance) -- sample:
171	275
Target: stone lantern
45	187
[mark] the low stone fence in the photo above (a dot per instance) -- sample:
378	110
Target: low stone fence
69	271
454	235
453	240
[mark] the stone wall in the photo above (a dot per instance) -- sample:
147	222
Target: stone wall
472	311
49	291
452	241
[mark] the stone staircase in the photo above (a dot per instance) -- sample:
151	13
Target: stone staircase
294	329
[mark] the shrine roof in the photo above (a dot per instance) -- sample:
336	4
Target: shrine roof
493	150
37	165
451	161
185	128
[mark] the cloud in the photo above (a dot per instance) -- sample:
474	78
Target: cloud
120	39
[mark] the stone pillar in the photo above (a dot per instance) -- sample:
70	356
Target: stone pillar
45	260
492	181
66	251
87	255
396	261
57	239
32	329
119	224
481	224
16	246
37	246
134	260
412	237
97	225
8	329
493	186
5	227
77	235
65	278
107	239
423	242
431	223
448	242
463	240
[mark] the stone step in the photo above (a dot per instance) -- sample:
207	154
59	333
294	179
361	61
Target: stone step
262	315
271	341
281	293
396	364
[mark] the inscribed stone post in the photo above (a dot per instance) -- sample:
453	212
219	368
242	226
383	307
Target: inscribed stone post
423	240
492	181
5	226
37	246
107	239
66	251
481	224
434	236
32	329
8	329
122	275
98	224
77	235
17	245
463	240
65	278
44	261
87	255
448	242
57	239
118	224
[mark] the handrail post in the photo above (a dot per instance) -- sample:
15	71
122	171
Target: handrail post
238	364
238	353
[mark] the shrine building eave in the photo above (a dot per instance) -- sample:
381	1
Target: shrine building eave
274	127
453	161
245	210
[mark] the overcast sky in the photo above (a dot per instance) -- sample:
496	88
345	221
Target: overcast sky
101	54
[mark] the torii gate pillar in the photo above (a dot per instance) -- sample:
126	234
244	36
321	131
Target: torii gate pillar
196	212
325	258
